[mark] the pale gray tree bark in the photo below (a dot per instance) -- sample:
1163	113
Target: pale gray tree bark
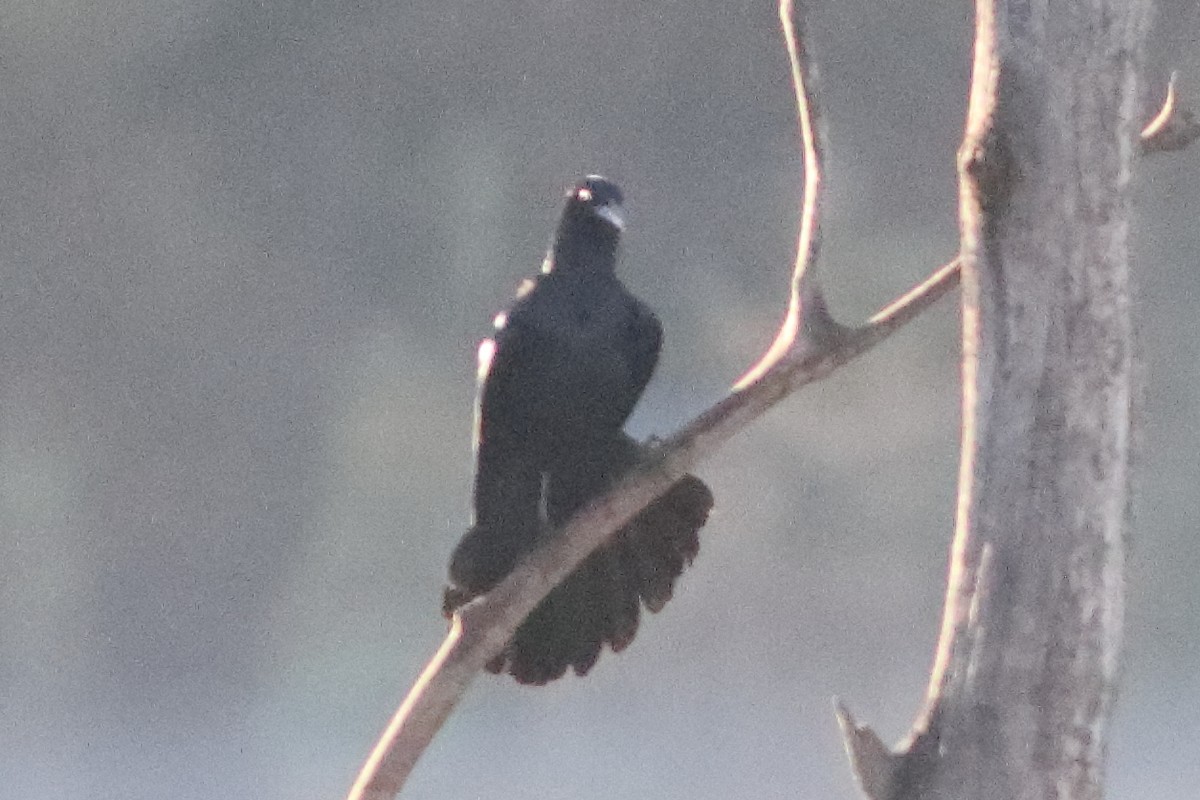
1025	673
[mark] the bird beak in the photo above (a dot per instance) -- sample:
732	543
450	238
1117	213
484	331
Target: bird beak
613	214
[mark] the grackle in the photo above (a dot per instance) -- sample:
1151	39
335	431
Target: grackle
568	362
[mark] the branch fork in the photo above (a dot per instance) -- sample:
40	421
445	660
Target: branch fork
809	346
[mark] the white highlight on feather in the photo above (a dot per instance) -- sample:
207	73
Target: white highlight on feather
487	349
612	214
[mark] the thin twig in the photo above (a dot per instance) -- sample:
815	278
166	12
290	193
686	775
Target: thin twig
806	305
1173	128
809	346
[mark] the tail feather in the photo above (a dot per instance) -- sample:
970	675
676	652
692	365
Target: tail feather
626	610
600	602
541	649
664	539
584	605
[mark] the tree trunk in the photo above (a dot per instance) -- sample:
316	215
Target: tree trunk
1024	678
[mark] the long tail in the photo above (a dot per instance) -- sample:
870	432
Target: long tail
600	602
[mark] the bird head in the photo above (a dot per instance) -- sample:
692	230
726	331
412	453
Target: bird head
589	230
599	199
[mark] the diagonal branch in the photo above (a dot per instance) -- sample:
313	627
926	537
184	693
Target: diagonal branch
810	345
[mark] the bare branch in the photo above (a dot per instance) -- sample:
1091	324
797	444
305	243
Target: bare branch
809	346
485	625
1173	128
874	769
419	717
873	765
807	320
1023	678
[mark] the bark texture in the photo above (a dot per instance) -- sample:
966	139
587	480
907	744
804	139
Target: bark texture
1024	677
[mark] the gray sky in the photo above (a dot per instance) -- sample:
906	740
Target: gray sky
247	251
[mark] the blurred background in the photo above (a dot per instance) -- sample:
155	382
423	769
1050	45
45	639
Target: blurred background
247	250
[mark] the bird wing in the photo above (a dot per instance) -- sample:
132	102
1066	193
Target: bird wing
642	342
507	473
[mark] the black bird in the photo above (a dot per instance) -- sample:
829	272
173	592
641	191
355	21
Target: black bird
567	364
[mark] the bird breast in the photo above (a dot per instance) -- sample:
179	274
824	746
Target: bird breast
577	376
